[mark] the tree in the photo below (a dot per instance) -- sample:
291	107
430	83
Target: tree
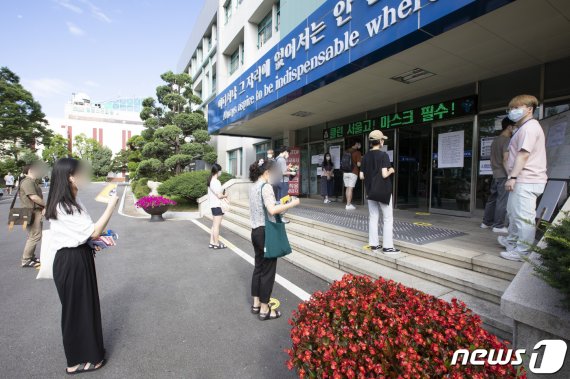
121	161
22	122
101	160
84	147
55	149
175	134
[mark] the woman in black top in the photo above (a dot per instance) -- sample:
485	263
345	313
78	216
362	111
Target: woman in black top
327	176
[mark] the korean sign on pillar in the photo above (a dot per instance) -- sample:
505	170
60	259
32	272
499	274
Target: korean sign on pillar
294	162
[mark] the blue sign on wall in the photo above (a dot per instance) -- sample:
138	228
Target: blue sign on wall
339	38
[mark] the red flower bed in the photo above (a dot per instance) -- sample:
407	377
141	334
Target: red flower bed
361	328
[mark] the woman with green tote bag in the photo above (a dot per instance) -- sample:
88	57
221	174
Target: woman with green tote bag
267	236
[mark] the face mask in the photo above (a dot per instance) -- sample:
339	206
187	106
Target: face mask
516	114
269	156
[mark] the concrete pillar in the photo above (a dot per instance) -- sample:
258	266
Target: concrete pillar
289	136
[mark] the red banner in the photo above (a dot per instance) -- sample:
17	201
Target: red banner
295	161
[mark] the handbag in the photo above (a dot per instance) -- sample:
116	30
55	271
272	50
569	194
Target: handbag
380	188
19	216
47	256
225	205
276	241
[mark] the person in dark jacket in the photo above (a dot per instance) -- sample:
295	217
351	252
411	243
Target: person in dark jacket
327	178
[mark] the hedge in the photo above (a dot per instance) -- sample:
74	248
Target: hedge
139	187
190	186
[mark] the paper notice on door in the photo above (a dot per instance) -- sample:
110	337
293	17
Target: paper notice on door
335	156
485	168
317	159
319	171
450	150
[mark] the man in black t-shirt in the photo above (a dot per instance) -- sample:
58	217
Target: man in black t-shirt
376	171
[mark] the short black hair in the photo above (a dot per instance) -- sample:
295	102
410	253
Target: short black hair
284	149
375	142
507	122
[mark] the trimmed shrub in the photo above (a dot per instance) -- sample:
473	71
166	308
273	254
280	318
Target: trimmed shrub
139	187
190	185
554	265
361	328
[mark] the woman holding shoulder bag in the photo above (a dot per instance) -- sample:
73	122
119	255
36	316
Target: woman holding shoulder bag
267	236
376	171
74	266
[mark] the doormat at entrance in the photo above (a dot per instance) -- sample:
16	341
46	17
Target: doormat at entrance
403	231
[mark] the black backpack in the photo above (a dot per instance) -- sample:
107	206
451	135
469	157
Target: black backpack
346	164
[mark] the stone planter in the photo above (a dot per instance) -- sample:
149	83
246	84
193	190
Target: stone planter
156	212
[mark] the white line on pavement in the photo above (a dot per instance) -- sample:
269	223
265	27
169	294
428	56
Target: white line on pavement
122	204
291	287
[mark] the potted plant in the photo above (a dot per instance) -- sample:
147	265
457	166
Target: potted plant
155	206
361	328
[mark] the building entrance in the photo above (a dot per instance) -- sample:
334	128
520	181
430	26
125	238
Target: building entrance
413	167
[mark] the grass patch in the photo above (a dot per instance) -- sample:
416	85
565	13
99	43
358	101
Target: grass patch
183	205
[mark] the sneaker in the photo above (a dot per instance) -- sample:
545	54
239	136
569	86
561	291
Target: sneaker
504	242
350	207
327	201
390	251
376	248
484	226
503	230
513	256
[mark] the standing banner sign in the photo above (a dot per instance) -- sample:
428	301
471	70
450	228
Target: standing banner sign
295	161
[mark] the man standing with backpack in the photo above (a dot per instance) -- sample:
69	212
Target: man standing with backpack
350	166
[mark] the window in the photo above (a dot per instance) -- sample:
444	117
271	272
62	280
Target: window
261	150
214	80
234	61
278	16
265	29
228	10
234	165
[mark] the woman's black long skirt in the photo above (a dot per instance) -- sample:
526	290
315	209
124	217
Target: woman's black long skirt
76	283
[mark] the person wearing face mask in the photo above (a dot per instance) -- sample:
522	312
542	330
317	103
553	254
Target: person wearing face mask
31	197
327	175
526	180
74	272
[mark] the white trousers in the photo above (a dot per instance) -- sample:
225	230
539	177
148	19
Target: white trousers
374	208
521	210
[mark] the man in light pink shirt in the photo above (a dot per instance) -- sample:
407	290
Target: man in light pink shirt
526	177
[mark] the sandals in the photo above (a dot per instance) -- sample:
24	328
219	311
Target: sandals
269	315
86	367
31	263
255	310
217	247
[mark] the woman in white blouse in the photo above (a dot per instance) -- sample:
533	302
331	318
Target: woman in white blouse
74	266
215	196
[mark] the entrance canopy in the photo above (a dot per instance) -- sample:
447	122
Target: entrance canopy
348	59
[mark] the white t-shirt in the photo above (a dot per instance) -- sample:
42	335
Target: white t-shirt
71	230
213	192
9	179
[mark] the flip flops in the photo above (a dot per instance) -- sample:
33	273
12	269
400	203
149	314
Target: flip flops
86	367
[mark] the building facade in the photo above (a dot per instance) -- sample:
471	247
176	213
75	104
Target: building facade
111	123
228	38
434	76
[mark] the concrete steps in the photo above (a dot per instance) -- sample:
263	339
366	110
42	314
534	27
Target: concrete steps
328	261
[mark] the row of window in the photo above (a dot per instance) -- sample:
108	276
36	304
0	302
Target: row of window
264	32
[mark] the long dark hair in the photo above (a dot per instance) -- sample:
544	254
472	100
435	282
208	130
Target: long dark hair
258	168
216	168
61	190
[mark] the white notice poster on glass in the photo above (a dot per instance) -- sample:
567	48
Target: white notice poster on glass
317	159
335	156
450	150
319	171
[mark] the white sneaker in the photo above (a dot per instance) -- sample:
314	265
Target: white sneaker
327	201
484	226
504	242
350	207
501	230
513	256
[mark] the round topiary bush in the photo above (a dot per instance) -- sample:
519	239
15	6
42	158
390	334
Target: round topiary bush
361	328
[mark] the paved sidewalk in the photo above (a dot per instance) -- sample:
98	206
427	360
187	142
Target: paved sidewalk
171	307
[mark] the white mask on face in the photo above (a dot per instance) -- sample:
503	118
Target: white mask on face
516	114
270	156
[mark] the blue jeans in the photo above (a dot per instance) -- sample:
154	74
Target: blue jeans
521	209
283	190
496	207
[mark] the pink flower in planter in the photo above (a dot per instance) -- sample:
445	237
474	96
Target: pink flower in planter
153	201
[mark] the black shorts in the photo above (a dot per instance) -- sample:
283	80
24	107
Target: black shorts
9	186
217	211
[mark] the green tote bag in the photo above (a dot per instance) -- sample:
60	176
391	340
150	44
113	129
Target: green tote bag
276	241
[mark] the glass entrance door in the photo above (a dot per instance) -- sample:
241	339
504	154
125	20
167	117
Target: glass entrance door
336	148
413	167
316	149
452	168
